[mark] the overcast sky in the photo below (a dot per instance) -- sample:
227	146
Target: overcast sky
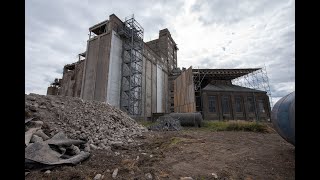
209	34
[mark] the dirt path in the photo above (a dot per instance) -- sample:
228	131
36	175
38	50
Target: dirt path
190	153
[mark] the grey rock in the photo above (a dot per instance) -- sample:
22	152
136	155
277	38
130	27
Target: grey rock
92	146
41	134
31	98
115	173
97	177
47	172
75	149
42	107
33	108
148	176
214	175
35	139
186	178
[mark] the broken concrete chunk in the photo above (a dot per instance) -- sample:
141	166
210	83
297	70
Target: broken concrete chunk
41	134
32	108
148	176
75	149
98	177
35	124
47	172
214	175
186	178
36	138
115	173
61	139
28	135
92	146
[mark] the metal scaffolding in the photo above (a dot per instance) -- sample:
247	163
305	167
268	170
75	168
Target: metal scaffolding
132	53
256	80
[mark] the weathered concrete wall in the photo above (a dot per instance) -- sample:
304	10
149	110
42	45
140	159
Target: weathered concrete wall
66	89
96	68
103	68
165	93
154	87
114	81
78	78
148	93
52	90
159	89
70	84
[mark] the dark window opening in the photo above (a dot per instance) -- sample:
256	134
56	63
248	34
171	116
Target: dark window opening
225	104
212	104
238	102
250	104
198	101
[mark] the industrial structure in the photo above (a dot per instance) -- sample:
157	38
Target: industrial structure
142	78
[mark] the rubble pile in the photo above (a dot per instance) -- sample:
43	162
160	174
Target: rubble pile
43	152
99	124
166	123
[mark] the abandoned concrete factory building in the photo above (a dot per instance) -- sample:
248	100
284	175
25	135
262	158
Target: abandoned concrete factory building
142	78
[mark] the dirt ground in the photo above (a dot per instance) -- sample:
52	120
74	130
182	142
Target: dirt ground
189	153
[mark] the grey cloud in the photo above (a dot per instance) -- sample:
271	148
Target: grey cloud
231	11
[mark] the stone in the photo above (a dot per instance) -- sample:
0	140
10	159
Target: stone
148	176
31	98
35	139
75	149
98	177
41	134
33	108
186	178
92	146
47	172
115	173
214	175
43	107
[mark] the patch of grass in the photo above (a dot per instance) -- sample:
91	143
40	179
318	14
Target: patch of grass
235	126
146	123
171	142
175	140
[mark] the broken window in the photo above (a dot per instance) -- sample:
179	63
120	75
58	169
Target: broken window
212	103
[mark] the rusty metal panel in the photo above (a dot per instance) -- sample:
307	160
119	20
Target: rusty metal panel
184	97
